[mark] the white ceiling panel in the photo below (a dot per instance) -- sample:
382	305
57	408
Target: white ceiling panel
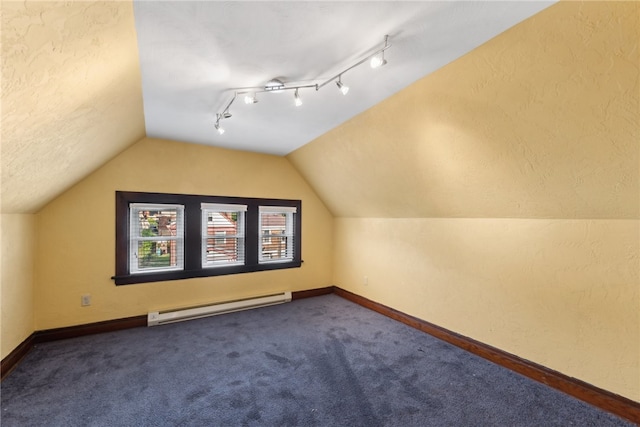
193	53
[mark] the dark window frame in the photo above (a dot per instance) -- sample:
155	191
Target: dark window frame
193	235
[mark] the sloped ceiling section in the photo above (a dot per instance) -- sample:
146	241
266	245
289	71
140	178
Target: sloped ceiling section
542	121
71	95
192	53
76	75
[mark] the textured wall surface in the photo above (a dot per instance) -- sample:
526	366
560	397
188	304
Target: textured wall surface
499	196
18	236
562	293
71	95
82	221
540	122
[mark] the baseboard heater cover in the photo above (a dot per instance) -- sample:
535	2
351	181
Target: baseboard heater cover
156	318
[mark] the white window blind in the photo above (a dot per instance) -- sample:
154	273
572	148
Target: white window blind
156	237
223	234
276	228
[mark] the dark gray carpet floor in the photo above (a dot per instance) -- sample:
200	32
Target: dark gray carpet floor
321	361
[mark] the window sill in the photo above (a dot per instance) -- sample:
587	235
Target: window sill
130	279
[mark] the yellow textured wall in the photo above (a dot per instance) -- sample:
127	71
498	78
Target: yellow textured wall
498	197
16	294
561	293
71	94
76	247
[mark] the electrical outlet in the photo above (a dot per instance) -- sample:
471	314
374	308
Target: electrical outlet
85	300
365	281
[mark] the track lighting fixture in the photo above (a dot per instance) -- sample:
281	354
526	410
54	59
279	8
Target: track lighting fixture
343	88
274	85
376	59
224	115
250	98
297	98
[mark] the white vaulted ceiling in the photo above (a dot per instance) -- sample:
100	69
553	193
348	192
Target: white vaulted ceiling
82	81
192	53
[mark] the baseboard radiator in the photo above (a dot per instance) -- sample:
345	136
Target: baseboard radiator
156	318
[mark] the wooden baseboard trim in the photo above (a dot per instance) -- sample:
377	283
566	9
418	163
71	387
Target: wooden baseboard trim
89	329
311	293
603	399
11	361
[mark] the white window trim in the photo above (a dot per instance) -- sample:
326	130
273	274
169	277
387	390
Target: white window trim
134	238
206	209
289	233
277	209
222	207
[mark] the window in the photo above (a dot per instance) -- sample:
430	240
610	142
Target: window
156	238
276	233
222	234
179	236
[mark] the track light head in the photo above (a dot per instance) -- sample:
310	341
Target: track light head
343	88
218	118
378	61
297	98
250	98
